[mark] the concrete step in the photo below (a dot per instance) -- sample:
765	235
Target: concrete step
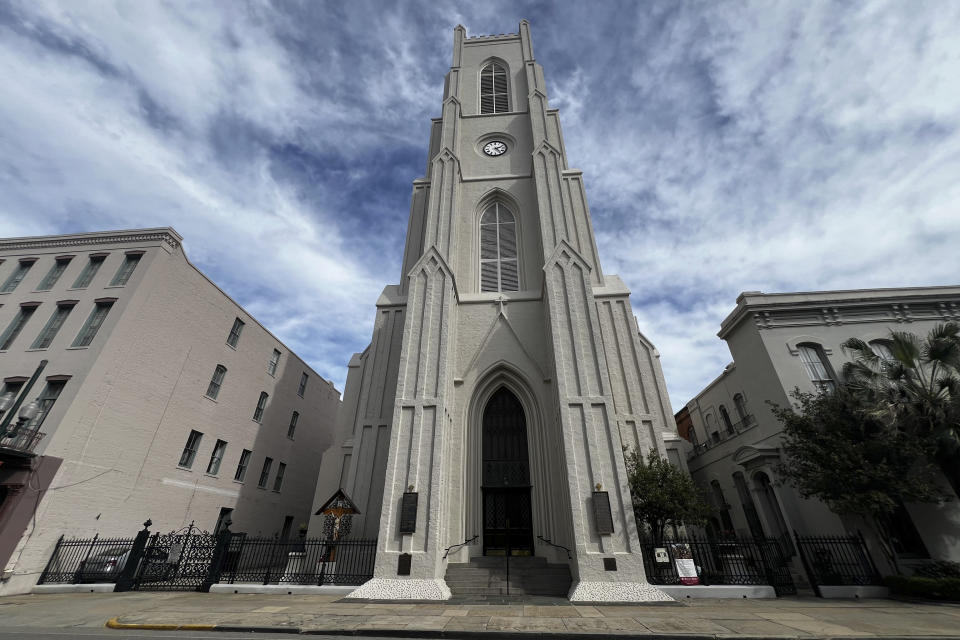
487	576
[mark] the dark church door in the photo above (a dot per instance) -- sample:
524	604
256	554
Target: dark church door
507	520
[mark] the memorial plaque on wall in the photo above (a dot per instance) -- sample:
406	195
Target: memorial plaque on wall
408	513
403	564
601	512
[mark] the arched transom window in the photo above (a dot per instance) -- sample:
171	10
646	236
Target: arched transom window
493	88
498	250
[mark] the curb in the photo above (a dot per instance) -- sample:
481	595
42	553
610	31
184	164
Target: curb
441	634
114	623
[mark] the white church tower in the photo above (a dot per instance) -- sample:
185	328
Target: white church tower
506	372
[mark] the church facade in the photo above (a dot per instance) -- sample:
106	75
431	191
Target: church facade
506	373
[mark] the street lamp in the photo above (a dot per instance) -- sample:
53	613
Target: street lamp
28	412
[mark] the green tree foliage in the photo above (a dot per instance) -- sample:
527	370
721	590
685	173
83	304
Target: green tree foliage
837	449
915	388
663	494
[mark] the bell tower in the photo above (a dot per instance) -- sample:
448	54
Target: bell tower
506	373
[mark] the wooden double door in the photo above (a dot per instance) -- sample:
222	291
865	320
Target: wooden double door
507	512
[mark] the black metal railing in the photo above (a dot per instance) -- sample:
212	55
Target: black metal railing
554	544
723	434
303	562
837	561
23	443
86	560
446	552
721	561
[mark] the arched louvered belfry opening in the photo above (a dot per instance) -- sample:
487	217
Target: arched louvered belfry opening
498	249
493	88
507	515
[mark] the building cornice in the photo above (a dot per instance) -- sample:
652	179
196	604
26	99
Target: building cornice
834	308
163	235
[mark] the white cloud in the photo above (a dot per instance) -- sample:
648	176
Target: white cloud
726	147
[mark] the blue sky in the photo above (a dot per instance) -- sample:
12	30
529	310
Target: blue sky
727	146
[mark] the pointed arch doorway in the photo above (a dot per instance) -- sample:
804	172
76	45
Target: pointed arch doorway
507	514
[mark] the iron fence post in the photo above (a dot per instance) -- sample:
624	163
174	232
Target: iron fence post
806	565
127	575
217	560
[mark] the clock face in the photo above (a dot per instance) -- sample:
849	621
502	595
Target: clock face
494	148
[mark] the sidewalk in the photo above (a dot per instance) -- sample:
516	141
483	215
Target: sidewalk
780	618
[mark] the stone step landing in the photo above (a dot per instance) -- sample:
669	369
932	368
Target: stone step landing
487	576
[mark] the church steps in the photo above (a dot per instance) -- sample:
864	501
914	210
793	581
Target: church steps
488	576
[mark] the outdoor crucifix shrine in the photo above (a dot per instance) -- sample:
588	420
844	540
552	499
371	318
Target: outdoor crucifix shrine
483	429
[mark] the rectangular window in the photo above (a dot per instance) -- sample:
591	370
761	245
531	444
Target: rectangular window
15	327
213	467
278	481
54	274
274	361
242	465
19	273
86	276
213	389
93	324
190	449
46	400
293	424
52	327
234	336
303	384
265	473
261	405
126	269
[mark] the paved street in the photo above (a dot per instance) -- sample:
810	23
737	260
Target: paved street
112	634
779	618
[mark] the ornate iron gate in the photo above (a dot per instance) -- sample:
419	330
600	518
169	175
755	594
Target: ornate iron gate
177	561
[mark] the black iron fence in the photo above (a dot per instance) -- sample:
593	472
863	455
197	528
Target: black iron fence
723	561
837	561
305	562
193	560
79	560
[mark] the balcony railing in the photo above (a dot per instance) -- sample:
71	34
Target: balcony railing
718	437
23	443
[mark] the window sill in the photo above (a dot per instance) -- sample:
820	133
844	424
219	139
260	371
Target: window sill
78	288
38	349
210	475
230	345
262	488
235	481
183	468
115	286
275	491
290	438
214	400
76	348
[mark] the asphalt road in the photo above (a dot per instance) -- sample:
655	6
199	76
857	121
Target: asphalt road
38	633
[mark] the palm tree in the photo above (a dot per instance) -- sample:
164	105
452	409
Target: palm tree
914	384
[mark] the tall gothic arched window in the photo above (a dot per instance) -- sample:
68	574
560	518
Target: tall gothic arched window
498	250
493	88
